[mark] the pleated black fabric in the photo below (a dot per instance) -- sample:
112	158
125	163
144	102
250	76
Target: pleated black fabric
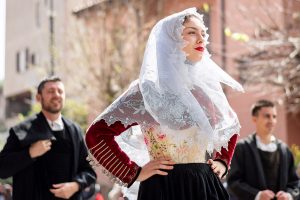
193	181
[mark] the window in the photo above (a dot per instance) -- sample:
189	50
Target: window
22	60
33	59
27	57
18	61
37	15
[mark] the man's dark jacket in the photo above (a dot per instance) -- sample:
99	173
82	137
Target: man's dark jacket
246	177
15	159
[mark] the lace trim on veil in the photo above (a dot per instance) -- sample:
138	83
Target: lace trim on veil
129	109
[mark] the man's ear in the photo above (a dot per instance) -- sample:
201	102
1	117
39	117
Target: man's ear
254	119
38	97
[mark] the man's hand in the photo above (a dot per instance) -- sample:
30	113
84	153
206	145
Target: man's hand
281	195
155	167
218	167
266	195
65	190
39	148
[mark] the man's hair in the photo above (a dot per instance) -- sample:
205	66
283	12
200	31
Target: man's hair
46	80
259	105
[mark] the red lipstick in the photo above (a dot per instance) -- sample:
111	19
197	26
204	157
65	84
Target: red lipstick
200	48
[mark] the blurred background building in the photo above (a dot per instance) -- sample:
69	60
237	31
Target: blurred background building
35	35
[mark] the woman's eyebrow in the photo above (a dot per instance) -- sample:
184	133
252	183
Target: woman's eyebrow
192	27
196	29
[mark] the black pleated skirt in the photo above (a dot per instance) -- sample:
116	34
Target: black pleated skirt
193	181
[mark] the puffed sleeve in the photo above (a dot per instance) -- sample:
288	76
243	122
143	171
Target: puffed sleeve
100	139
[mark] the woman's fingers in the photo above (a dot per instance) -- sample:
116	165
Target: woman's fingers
210	161
163	164
167	167
217	167
156	167
162	173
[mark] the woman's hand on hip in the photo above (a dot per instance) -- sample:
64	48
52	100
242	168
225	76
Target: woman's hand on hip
156	167
217	167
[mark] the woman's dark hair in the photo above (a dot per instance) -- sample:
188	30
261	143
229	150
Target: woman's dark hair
187	17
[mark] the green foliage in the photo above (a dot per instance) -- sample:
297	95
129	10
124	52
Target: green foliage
2	143
296	152
76	111
2	127
242	37
8	181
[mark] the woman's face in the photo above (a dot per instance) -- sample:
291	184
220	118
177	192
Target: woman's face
194	37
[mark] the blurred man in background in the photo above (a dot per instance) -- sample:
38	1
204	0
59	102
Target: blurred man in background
263	166
46	154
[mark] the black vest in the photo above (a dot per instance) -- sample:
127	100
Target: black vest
270	162
56	164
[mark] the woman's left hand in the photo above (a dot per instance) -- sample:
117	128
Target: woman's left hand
218	167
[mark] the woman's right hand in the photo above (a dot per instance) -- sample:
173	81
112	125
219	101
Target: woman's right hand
155	167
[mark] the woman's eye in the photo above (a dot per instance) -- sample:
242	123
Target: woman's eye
191	32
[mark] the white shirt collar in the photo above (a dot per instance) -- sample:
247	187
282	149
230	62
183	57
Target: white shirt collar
271	147
56	125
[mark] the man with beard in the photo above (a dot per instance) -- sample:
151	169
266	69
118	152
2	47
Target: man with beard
262	167
46	154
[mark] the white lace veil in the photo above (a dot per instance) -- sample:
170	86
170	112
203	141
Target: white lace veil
175	93
179	94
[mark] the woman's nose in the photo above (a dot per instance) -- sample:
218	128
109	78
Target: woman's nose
200	39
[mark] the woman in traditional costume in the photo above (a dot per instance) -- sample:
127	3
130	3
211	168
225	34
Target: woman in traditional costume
188	131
